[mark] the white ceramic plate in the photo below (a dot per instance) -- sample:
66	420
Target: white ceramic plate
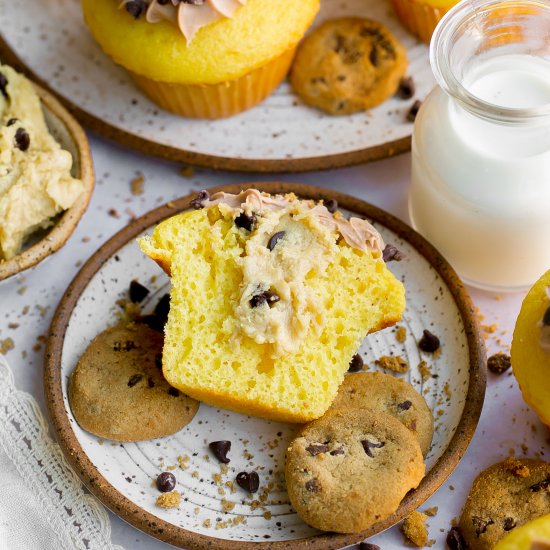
50	40
122	474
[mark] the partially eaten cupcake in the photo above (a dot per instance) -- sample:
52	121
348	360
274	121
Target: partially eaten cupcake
271	297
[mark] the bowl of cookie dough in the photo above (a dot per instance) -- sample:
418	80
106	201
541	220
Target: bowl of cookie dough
46	174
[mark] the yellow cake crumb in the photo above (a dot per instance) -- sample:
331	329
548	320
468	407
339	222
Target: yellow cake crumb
169	500
415	530
424	370
401	334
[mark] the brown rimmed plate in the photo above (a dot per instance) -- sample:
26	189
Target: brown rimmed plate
68	133
214	512
50	41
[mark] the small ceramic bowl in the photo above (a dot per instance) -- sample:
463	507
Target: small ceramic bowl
70	135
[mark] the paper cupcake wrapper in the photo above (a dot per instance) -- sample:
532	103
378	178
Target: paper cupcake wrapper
218	100
419	18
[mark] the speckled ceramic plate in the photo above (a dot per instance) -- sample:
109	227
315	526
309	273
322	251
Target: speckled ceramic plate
214	511
51	42
68	133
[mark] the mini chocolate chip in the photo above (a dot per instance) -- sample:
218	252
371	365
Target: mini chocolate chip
331	205
3	85
220	450
314	450
368	546
455	541
136	8
194	2
540	485
481	524
356	363
137	292
150	382
266	297
499	363
339	451
546	318
152	321
405	406
249	481
134	379
413	111
369	445
166	482
127	345
509	524
429	342
158	360
374	57
341	77
22	139
198	202
163	2
406	88
244	221
174	392
312	486
275	239
163	308
12	121
391	253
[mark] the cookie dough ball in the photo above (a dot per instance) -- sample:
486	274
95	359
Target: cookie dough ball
348	65
117	390
351	468
390	395
505	496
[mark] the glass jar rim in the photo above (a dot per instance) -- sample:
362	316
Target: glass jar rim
440	46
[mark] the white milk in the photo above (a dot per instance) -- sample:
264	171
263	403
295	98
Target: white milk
480	190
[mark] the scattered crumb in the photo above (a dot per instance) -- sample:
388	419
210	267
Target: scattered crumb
516	468
195	474
267	515
273	444
85	239
217	478
490	329
183	462
431	511
424	370
499	363
22	290
169	500
227	506
401	334
13	326
171	468
113	213
221	491
196	511
415	530
187	171
136	185
207	523
394	363
6	345
224	468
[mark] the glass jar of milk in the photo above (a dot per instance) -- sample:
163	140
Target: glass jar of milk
480	189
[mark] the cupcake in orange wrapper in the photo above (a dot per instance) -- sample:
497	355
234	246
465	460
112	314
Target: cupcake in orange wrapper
531	348
202	59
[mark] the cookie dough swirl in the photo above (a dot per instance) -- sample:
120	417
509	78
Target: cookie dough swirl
188	15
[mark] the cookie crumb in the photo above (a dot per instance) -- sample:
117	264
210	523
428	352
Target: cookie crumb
187	171
394	363
516	468
424	371
227	506
207	523
499	363
431	512
401	334
6	345
415	530
136	185
169	500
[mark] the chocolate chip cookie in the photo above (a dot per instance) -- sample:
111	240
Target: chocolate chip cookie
117	390
351	468
348	65
505	496
393	396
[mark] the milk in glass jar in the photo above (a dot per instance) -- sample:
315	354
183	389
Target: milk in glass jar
480	189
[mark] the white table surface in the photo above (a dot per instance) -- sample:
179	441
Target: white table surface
507	425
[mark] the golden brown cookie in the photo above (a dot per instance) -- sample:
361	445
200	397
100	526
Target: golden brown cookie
351	468
393	396
117	390
348	65
503	497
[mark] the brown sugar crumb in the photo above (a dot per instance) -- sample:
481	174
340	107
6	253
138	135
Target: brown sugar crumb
431	512
424	371
394	363
401	334
187	171
227	506
415	530
499	363
6	345
207	523
136	185
516	468
169	500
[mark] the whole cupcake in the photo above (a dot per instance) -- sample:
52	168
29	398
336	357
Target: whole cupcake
202	58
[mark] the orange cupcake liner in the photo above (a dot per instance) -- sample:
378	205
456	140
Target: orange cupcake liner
419	18
218	100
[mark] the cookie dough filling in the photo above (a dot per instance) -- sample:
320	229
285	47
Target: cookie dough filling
288	242
35	173
545	326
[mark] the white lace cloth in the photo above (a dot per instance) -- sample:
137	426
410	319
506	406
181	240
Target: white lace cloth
43	505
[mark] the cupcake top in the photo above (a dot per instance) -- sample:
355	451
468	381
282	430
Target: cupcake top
544	340
188	15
